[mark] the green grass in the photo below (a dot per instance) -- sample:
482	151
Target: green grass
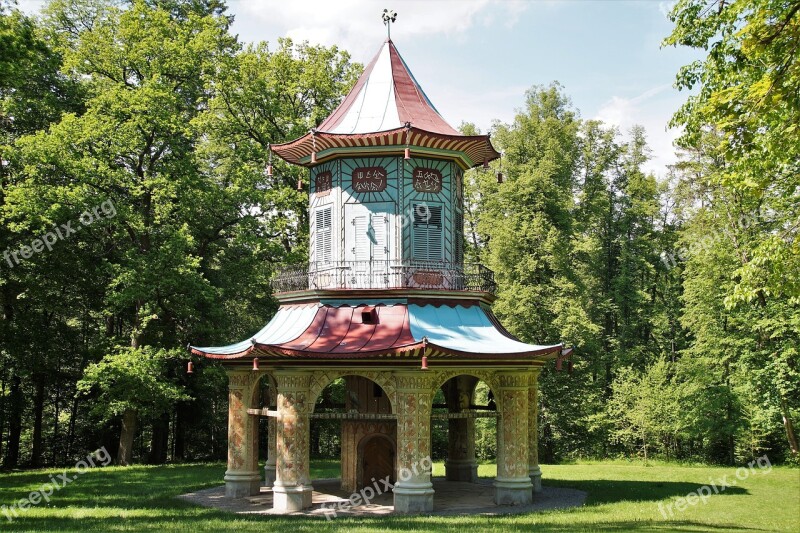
621	497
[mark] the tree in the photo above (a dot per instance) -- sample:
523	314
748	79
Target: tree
746	114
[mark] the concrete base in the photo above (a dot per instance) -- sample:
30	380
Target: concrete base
269	475
242	484
413	498
536	479
291	498
461	471
513	491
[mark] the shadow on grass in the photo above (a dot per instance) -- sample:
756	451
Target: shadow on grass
603	491
143	499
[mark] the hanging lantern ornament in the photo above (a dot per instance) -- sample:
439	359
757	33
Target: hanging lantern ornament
407	154
424	350
313	146
269	165
300	184
255	364
190	368
500	171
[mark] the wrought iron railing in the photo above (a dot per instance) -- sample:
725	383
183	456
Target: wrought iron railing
384	275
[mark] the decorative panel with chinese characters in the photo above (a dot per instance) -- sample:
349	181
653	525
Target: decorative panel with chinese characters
369	179
427	180
323	182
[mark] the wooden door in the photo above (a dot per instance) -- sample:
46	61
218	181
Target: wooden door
378	461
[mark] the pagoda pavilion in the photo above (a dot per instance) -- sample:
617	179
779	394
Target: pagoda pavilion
386	302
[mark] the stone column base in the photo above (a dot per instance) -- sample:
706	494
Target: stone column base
291	498
461	471
269	475
536	478
413	498
513	491
242	484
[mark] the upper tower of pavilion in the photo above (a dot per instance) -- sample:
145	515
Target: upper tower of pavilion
386	189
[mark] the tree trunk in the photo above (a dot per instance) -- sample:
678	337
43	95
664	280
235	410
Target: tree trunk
180	432
2	411
15	422
787	424
126	436
159	440
73	413
38	410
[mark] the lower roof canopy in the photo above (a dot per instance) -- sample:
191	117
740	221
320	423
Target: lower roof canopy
341	330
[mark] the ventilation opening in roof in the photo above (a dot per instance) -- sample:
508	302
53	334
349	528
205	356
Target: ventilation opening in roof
369	315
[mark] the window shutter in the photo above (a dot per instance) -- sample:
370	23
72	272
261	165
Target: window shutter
361	245
427	233
324	242
459	237
380	232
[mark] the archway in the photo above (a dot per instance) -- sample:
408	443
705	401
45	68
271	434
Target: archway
353	415
468	416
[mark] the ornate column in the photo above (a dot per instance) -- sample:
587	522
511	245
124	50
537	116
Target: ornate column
292	489
460	464
533	432
272	443
242	477
513	484
413	491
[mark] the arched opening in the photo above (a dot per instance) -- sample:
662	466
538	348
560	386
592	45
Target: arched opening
353	432
265	398
464	428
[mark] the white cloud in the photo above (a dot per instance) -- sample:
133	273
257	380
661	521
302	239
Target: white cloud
652	109
355	25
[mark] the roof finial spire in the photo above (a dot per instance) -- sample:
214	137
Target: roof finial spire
389	16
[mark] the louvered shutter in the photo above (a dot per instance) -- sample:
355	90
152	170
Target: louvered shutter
459	237
380	233
427	233
361	241
323	230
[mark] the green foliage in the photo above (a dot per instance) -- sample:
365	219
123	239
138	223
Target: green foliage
132	378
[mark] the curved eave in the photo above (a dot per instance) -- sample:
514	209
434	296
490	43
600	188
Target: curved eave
468	150
407	352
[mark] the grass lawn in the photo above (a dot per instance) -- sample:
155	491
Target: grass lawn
622	496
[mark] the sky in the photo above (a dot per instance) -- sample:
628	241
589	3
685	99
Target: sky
476	58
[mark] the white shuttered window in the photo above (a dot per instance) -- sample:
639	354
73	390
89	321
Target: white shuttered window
323	231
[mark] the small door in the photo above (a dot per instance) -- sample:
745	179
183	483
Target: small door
377	461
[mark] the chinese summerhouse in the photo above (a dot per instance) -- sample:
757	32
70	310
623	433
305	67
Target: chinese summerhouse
387	303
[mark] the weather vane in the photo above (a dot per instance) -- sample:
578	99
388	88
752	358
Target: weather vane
389	16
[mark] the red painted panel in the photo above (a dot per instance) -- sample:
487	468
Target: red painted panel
337	324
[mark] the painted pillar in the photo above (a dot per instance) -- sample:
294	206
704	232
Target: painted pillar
513	483
242	477
413	491
460	464
533	433
292	489
272	452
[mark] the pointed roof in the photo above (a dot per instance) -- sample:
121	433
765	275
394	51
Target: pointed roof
386	111
386	97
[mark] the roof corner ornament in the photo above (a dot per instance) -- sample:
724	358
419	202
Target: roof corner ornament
389	16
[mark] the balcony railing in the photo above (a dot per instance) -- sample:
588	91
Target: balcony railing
384	275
